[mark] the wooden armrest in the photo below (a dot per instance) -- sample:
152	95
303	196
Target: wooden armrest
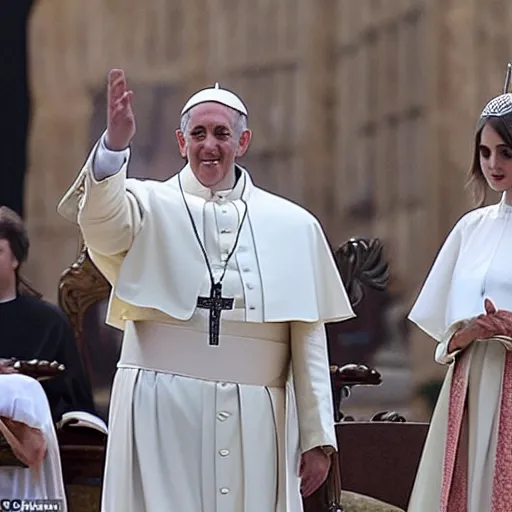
38	369
333	485
345	377
355	375
391	416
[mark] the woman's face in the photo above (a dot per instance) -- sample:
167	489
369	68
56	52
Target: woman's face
495	160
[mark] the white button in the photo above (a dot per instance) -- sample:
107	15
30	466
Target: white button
224	490
246	269
224	453
224	210
225	230
223	416
250	286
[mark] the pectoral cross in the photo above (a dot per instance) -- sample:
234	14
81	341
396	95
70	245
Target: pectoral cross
216	303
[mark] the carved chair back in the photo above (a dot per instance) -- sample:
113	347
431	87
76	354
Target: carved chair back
83	294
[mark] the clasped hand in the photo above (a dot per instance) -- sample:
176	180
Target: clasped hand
494	322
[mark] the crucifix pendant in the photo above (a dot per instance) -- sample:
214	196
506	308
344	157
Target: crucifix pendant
216	303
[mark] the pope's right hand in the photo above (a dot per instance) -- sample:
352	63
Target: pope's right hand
120	117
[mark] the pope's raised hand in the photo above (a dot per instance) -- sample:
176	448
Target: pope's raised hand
120	117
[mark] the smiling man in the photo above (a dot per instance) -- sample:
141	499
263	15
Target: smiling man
216	136
222	398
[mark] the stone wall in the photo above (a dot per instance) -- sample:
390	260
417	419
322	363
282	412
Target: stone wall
362	111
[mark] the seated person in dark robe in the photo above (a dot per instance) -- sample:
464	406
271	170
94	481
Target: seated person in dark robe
31	328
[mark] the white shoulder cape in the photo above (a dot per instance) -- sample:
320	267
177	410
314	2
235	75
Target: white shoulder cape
164	268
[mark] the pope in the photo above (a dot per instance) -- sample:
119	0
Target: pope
222	398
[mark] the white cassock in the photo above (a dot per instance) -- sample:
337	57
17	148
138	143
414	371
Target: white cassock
473	264
195	427
23	399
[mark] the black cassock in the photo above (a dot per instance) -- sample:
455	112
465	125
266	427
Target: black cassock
31	328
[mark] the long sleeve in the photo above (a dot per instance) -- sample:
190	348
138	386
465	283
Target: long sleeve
108	214
442	356
310	364
429	312
107	162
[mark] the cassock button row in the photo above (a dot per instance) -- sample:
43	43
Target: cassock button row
224	490
223	416
224	453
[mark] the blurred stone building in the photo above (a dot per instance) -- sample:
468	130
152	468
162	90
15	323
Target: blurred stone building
362	111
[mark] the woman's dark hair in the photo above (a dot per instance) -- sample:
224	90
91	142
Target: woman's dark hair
475	178
13	230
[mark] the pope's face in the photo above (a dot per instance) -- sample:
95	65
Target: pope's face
495	160
211	143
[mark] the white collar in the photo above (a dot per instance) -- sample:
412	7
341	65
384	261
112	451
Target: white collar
191	185
503	205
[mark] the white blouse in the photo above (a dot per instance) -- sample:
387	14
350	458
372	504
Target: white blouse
474	263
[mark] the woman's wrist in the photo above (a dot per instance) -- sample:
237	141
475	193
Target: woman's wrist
459	341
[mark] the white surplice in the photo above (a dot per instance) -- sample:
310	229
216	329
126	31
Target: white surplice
23	399
473	264
207	429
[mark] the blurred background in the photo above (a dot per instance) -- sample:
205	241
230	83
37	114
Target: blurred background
362	111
